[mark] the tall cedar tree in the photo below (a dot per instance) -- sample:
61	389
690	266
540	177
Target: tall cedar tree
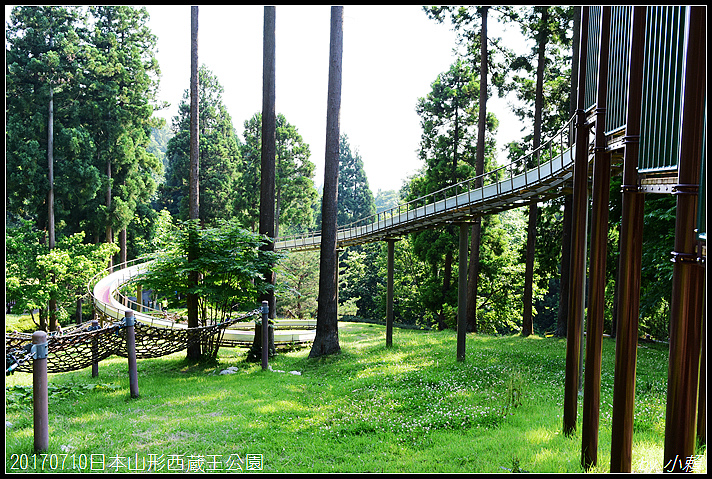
123	92
326	340
192	300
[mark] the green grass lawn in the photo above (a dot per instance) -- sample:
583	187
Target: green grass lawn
409	408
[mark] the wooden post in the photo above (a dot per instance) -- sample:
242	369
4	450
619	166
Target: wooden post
139	298
94	349
40	400
131	353
629	270
265	335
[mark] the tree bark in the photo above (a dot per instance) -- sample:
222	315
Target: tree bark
269	148
568	199
527	319
194	350
476	230
50	199
326	340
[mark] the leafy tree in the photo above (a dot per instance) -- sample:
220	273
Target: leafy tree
386	200
298	284
29	262
449	116
548	27
220	158
230	264
294	186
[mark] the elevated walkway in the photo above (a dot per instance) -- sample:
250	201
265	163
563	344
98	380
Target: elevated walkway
542	174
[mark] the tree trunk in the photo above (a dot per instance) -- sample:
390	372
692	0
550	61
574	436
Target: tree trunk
269	148
122	244
50	199
568	199
194	350
476	231
326	340
527	320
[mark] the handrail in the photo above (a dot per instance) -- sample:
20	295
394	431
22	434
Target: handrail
417	209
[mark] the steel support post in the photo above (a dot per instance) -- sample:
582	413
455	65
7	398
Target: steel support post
630	260
462	293
688	278
578	242
389	293
599	240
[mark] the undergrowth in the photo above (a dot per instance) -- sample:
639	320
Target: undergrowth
408	408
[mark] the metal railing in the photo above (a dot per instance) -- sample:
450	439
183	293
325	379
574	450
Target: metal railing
502	188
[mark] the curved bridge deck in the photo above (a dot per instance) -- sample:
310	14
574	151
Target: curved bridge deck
239	334
507	187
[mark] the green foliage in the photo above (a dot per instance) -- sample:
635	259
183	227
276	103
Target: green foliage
19	396
298	284
413	407
98	63
230	263
355	197
219	156
34	274
294	179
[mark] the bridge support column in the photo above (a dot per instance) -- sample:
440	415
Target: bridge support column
389	292
578	243
686	313
462	293
599	240
629	266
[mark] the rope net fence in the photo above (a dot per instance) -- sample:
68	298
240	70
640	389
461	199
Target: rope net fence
81	346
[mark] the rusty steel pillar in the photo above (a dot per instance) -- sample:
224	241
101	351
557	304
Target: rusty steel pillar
599	240
389	292
686	313
578	242
630	260
462	293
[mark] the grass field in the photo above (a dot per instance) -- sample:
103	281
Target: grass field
409	408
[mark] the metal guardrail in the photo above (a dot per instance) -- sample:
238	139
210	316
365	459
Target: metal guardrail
532	175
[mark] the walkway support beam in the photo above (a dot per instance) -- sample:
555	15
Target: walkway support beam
599	240
688	278
462	293
578	242
389	292
630	260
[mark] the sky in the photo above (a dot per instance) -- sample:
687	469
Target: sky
391	55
